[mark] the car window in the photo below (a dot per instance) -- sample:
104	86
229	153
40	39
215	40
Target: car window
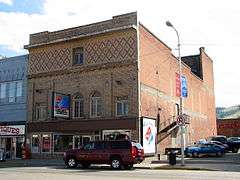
89	146
120	145
99	145
138	145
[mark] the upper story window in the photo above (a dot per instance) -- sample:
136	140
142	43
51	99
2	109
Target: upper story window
96	104
12	91
78	56
78	106
122	106
19	86
3	89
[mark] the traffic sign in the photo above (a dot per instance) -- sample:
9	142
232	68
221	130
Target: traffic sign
180	120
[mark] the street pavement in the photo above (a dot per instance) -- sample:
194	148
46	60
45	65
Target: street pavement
57	173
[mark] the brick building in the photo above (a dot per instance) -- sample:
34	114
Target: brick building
113	77
228	127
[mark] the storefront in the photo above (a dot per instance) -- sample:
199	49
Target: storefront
12	139
54	144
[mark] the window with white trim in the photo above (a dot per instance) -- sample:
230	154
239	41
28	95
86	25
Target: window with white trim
96	104
78	104
78	57
19	85
12	91
122	107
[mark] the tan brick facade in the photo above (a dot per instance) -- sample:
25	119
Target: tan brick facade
121	59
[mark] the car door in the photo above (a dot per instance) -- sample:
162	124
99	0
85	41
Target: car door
86	153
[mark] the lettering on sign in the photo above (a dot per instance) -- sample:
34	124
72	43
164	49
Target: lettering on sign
12	130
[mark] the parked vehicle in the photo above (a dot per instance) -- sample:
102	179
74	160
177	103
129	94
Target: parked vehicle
233	146
118	154
225	146
206	149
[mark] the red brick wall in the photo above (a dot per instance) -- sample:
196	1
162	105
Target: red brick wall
158	69
228	127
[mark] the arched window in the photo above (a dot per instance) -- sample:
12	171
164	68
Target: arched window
78	106
96	104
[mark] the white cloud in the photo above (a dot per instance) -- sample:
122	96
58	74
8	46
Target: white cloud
212	24
8	2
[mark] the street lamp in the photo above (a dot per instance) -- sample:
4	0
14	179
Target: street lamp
169	24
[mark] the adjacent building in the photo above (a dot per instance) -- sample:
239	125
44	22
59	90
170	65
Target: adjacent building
110	80
13	110
228	127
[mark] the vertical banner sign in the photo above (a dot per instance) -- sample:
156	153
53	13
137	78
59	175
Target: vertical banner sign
61	105
184	86
149	136
178	85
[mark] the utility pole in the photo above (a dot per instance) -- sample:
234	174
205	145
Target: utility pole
169	24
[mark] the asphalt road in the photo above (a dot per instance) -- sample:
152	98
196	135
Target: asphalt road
45	173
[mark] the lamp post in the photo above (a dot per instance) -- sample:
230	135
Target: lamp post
169	24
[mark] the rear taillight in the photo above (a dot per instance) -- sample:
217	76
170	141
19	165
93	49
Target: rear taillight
134	152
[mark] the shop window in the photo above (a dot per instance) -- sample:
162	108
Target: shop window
41	111
122	106
35	144
78	56
63	143
78	104
46	143
96	104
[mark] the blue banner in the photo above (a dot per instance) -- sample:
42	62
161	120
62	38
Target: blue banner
184	86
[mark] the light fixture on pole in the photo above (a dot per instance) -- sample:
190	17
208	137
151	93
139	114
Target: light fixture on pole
169	24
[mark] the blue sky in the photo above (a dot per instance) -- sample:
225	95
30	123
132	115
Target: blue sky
213	24
25	6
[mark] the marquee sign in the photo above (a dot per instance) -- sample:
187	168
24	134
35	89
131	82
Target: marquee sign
12	130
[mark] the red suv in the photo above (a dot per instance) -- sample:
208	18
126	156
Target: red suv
118	154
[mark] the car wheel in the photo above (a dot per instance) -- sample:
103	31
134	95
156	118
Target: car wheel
235	150
116	163
128	166
71	163
195	154
85	165
219	154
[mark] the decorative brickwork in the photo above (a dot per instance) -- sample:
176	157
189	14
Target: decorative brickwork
115	49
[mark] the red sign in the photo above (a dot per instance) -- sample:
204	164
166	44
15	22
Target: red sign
178	85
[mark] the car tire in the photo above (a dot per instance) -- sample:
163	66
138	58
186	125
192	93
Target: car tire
116	163
71	162
219	154
195	154
235	150
128	166
85	165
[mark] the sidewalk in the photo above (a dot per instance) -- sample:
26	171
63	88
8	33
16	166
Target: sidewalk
148	163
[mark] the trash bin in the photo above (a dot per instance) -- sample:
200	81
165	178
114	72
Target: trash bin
172	158
2	155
